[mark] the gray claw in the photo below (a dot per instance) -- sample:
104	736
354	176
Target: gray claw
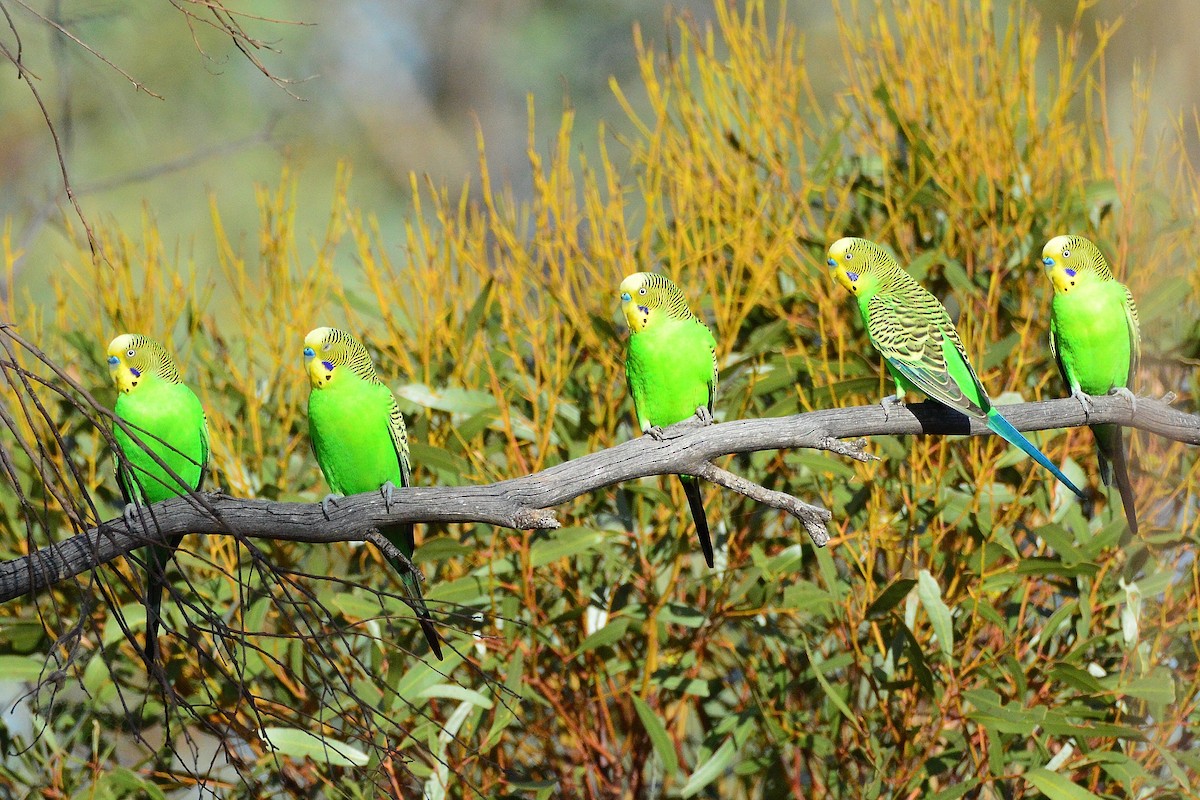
327	501
130	514
387	490
891	401
704	415
1123	391
1085	400
656	433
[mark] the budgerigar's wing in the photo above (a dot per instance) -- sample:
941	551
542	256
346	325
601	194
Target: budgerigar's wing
399	435
1135	335
915	335
1054	351
204	451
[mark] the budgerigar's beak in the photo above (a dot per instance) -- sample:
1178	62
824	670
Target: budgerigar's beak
831	262
113	361
309	354
626	297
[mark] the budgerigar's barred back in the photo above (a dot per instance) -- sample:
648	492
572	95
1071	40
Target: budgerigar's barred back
168	419
670	367
360	441
1095	338
913	332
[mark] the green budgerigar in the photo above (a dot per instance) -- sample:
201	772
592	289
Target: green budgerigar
913	332
1095	340
360	441
671	368
167	416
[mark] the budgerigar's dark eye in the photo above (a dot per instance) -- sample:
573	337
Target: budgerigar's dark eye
642	290
849	255
129	353
1066	253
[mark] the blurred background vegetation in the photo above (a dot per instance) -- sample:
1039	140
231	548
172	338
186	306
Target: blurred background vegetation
970	631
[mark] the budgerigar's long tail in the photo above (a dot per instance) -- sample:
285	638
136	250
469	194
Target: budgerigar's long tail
1004	428
691	487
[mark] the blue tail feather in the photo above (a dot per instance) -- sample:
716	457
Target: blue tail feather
1010	434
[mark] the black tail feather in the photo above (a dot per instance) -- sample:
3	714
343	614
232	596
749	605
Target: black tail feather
691	487
405	540
1114	468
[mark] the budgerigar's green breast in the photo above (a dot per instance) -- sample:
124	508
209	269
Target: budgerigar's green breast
348	425
1092	336
670	370
170	412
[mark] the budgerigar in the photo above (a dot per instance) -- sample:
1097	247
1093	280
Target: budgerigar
671	367
913	332
360	441
167	416
1095	340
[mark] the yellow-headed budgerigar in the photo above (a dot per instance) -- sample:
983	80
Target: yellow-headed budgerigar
1095	340
671	368
360	441
166	415
913	332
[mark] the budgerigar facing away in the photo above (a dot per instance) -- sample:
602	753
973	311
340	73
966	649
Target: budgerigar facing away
1095	340
671	367
166	415
913	332
360	441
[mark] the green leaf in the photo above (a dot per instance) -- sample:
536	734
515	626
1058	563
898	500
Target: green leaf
564	543
605	636
441	548
454	692
890	597
435	458
1057	787
657	732
710	770
930	595
21	668
838	702
1158	687
299	743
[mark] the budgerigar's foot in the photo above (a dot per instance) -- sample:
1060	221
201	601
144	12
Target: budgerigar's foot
704	415
329	500
1085	400
656	433
387	490
1124	391
890	402
130	514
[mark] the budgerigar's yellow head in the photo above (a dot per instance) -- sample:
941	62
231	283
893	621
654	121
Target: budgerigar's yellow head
134	359
1073	260
648	296
858	264
330	353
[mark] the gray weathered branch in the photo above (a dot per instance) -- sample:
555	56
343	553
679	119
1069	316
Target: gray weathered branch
526	502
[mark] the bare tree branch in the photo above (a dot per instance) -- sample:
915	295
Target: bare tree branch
526	503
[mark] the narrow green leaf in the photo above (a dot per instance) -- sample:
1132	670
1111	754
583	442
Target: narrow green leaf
564	543
455	692
299	743
605	636
659	737
930	595
834	697
710	770
21	668
1057	787
890	597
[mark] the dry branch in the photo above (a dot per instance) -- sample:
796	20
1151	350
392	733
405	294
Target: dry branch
526	503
